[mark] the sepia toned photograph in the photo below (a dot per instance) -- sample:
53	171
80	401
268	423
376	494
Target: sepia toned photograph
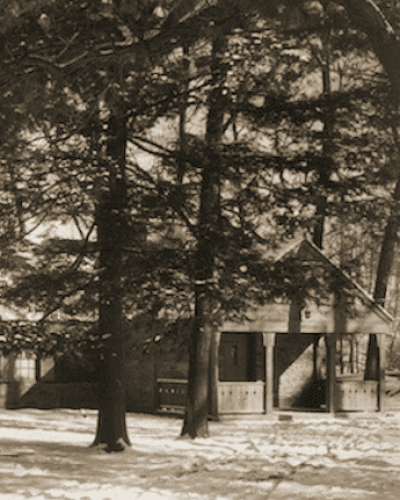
200	249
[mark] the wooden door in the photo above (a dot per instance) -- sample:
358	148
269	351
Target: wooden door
234	357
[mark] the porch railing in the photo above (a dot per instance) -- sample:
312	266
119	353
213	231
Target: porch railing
241	397
172	394
233	397
357	395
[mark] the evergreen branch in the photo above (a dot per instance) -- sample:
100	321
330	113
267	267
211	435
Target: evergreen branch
165	153
77	262
171	200
38	224
63	297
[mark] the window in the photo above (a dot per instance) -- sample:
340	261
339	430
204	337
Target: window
25	366
16	366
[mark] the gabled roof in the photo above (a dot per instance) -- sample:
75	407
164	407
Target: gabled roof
292	317
303	247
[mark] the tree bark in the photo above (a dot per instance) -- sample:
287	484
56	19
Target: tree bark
325	168
386	259
385	265
196	417
214	374
183	107
203	335
367	17
111	223
387	254
111	427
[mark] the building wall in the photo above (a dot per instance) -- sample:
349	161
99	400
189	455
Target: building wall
47	395
140	382
24	383
293	376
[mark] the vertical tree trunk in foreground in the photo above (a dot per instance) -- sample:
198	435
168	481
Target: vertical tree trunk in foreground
203	335
214	374
196	417
386	259
111	426
385	265
325	168
366	16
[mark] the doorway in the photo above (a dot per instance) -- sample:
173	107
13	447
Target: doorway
241	371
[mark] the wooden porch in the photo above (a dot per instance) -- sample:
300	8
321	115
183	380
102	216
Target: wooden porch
245	384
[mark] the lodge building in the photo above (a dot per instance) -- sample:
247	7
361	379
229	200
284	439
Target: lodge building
305	353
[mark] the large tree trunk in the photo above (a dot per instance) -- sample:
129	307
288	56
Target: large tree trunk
111	427
386	257
214	133
196	417
203	338
214	374
325	166
367	17
385	264
111	223
195	422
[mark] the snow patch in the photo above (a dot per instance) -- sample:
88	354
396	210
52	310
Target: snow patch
47	455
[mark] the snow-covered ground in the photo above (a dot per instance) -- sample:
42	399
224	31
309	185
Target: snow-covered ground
47	455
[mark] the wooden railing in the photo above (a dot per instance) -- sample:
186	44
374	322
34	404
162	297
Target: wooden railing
172	394
356	395
233	397
241	397
248	397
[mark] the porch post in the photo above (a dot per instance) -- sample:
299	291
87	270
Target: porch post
338	311
156	359
353	351
331	371
382	371
315	358
269	342
214	375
